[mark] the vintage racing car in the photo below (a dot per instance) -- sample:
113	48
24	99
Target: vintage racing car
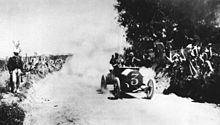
127	80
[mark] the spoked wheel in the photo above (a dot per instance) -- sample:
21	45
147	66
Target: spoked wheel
103	83
150	89
117	89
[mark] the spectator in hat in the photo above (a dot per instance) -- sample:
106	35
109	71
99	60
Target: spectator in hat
15	67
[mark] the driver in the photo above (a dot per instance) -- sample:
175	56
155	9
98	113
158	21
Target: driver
132	61
15	66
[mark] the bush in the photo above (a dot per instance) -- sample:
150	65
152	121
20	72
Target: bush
11	115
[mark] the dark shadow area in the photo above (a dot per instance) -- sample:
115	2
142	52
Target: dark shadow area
123	95
11	115
112	98
3	90
200	90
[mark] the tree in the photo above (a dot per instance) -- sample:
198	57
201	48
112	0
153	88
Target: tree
147	21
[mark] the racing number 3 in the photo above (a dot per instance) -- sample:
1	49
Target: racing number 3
134	79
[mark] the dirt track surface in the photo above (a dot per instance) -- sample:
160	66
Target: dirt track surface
68	98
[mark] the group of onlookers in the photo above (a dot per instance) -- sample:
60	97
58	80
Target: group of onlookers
192	61
42	64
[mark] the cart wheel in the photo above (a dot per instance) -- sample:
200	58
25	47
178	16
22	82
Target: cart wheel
117	89
150	89
103	83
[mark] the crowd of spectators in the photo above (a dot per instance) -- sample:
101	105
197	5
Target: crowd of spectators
43	65
193	61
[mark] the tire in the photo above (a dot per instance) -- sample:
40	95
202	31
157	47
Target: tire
150	89
103	83
117	88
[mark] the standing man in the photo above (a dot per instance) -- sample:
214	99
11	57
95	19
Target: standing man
15	67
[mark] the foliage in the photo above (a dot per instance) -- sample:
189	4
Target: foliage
147	21
11	115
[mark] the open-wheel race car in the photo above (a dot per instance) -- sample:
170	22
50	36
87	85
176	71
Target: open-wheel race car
127	80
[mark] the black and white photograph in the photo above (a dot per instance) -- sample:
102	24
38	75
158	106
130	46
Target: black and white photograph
109	62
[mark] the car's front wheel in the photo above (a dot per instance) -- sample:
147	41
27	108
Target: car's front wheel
150	89
117	89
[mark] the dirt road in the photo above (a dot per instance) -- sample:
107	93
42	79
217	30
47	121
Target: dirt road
68	98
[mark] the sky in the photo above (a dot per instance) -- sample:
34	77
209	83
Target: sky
59	27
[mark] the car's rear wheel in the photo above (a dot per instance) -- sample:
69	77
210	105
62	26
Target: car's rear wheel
150	89
117	89
103	83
